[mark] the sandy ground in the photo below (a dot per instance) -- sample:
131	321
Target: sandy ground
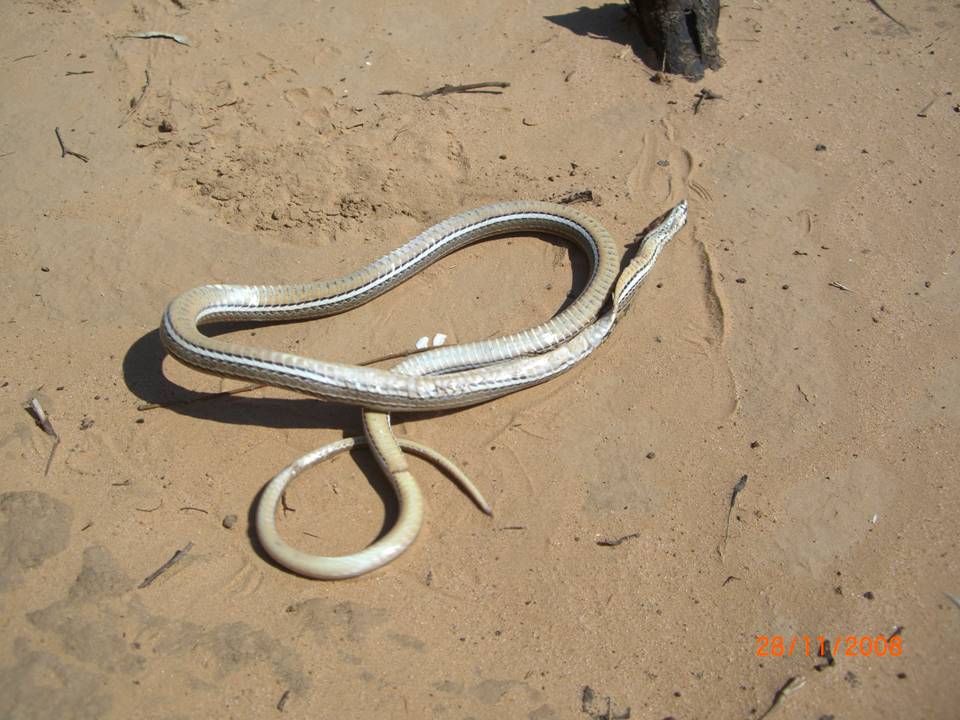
801	331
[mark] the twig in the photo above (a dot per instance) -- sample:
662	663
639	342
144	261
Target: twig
879	7
577	197
839	286
63	148
78	72
177	557
704	94
154	34
826	653
283	700
161	143
41	418
283	504
135	104
43	422
791	685
513	527
737	489
613	542
195	509
483	88
202	398
24	57
150	509
923	111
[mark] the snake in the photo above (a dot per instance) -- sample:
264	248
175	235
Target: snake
446	377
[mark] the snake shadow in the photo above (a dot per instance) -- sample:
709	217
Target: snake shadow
143	376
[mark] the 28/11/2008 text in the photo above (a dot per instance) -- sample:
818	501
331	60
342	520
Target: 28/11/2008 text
819	645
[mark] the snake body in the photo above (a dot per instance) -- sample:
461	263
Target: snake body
444	377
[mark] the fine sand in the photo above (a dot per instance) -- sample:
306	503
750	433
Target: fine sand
800	332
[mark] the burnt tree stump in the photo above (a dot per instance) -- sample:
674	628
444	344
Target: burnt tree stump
683	33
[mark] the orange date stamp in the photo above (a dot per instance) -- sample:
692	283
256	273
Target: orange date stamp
825	646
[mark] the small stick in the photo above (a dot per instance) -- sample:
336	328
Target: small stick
135	104
613	542
150	509
196	509
737	489
839	286
177	557
791	685
705	94
896	631
879	7
43	422
513	527
923	112
63	148
576	197
283	700
484	88
42	419
152	34
826	654
78	72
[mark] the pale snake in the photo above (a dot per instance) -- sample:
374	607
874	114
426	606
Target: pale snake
445	377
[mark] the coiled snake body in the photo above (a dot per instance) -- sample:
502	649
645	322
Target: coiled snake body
445	377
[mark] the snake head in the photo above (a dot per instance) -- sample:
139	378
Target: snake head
651	242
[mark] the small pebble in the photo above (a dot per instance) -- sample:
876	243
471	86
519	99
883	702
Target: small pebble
926	283
503	157
229	521
44	268
651	455
741	280
663	163
165	126
139	421
820	147
868	595
755	444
